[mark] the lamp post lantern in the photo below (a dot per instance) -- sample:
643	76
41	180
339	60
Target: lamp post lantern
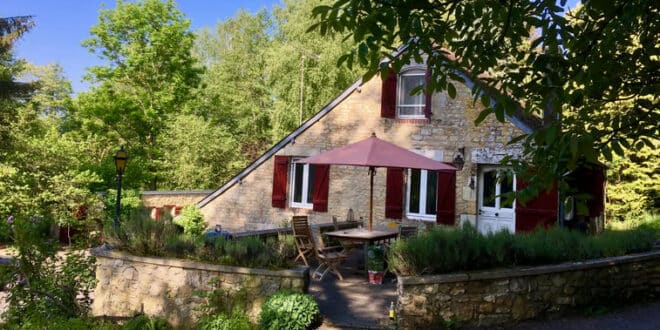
120	164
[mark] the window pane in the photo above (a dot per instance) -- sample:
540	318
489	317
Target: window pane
298	182
408	83
310	184
431	191
506	186
414	191
490	180
411	110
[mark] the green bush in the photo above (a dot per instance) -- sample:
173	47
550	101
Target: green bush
144	322
140	235
290	310
192	220
376	258
236	321
443	250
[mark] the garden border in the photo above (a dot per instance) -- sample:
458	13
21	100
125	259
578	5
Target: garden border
503	296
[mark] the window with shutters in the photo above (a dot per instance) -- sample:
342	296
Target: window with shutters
302	185
421	196
409	105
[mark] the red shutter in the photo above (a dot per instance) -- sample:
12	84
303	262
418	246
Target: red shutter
280	171
540	211
321	187
428	108
446	209
388	96
394	193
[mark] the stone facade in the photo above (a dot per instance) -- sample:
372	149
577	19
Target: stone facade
177	197
128	285
247	205
507	296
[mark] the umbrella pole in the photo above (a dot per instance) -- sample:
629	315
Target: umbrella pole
372	173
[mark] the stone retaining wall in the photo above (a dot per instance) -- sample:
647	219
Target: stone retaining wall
128	285
511	295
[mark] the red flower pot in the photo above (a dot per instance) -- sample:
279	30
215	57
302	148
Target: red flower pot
375	277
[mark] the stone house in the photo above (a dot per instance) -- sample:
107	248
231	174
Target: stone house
273	188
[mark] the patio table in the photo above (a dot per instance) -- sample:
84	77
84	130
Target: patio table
363	235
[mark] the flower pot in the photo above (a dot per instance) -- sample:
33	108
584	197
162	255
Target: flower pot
375	277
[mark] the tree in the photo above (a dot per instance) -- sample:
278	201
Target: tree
11	29
295	52
200	154
235	93
602	55
149	75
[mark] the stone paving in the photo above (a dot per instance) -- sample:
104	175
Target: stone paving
354	303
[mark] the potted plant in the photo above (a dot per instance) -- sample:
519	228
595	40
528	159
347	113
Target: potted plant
376	264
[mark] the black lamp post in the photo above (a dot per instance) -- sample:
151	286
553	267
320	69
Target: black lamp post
120	164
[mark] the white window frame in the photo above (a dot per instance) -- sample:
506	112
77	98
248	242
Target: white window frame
305	186
498	188
422	215
412	71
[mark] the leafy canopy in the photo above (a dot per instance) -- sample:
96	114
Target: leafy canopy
603	54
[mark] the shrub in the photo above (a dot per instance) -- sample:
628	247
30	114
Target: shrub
43	284
192	220
444	250
140	235
236	321
376	258
144	322
290	310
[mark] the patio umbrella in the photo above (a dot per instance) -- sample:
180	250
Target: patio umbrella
373	152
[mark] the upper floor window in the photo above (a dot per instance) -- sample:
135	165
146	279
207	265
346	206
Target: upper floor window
302	185
410	106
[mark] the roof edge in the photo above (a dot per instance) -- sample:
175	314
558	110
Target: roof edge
281	144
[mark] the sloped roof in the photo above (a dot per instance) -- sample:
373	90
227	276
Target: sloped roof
524	122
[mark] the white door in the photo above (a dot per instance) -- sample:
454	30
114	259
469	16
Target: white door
494	212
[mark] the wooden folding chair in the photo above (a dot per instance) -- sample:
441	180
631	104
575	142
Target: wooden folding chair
329	258
303	238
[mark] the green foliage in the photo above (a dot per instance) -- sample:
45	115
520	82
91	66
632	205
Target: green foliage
144	322
148	75
633	184
651	221
192	220
224	309
449	250
257	67
589	72
235	321
290	310
46	284
140	235
62	323
143	236
252	252
202	154
376	258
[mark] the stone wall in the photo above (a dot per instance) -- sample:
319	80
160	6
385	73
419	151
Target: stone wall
128	285
507	296
247	206
160	198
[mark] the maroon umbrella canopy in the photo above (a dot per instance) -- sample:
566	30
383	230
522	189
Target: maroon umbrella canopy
374	152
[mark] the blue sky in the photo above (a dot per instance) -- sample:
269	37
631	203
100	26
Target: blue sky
62	25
